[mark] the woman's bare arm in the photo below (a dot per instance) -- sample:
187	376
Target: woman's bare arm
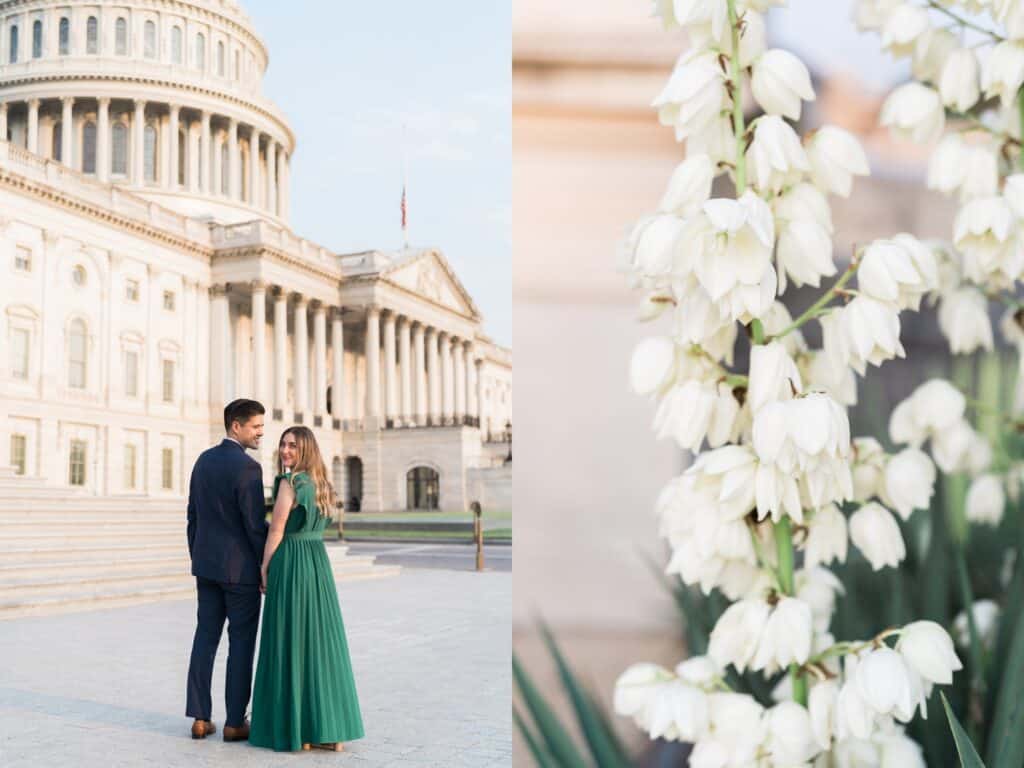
278	520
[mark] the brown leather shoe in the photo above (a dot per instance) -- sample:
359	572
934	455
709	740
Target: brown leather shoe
237	732
203	728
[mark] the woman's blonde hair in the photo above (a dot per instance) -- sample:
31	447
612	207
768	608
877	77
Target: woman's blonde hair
309	460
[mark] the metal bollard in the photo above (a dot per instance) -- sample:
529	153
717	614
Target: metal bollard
478	533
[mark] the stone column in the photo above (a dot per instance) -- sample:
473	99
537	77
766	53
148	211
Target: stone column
103	140
301	359
259	339
280	352
216	169
479	366
194	165
419	374
32	142
319	363
171	182
372	420
447	393
433	378
470	383
204	153
390	401
219	344
271	176
285	184
139	143
254	168
234	162
338	366
3	121
406	373
459	371
67	130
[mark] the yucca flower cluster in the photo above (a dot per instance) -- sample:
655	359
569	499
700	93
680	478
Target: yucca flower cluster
779	488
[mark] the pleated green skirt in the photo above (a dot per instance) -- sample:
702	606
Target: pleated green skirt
304	690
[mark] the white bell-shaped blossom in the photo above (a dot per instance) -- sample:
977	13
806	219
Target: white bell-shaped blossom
736	734
804	253
1010	14
752	37
819	588
821	703
986	500
686	13
909	481
1003	71
820	374
984	232
904	25
773	375
986	619
973	168
836	157
732	255
964	320
699	320
827	537
779	82
872	14
946	164
932	49
869	461
737	633
661	704
952	448
650	249
714	138
689	187
790	737
804	201
864	332
959	85
928	650
776	320
695	94
653	364
694	410
897	750
897	271
776	158
887	683
934	407
787	636
914	112
873	530
853	716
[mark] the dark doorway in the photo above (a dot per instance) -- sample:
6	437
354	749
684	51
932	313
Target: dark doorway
422	488
354	475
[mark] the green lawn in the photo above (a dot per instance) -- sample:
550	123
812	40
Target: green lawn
442	516
498	534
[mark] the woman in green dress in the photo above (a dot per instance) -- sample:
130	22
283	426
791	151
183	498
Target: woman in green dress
304	694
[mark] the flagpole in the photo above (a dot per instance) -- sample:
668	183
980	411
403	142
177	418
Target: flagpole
405	183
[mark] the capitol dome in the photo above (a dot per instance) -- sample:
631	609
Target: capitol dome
161	96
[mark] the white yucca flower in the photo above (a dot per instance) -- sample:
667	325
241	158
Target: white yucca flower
821	702
931	51
651	248
695	94
836	157
661	704
773	376
790	736
1003	71
864	332
909	482
986	500
958	84
820	374
714	139
914	112
752	38
964	320
1010	13
693	410
779	82
803	253
737	733
985	233
872	14
776	158
903	26
653	365
869	461
986	619
873	530
936	406
689	186
778	318
804	201
819	588
887	684
737	633
827	537
901	271
928	650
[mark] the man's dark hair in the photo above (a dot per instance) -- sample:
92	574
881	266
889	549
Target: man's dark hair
241	410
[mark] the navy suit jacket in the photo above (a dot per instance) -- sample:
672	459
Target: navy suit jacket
227	526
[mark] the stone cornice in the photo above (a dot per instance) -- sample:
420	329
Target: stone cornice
77	205
172	84
259	251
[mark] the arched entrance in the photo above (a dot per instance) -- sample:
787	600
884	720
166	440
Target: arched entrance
354	486
422	488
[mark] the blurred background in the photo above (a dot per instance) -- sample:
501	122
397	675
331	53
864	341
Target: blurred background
589	159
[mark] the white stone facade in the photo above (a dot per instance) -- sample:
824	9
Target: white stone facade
148	281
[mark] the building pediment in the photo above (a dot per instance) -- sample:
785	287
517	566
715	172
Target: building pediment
429	275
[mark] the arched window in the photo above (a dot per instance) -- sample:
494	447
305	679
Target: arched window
150	149
13	49
176	45
56	144
92	35
421	488
37	39
224	169
77	354
121	37
119	148
64	32
89	147
220	58
149	37
200	51
182	159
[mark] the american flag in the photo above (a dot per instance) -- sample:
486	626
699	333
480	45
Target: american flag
403	208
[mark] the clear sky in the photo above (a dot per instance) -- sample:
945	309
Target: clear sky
348	75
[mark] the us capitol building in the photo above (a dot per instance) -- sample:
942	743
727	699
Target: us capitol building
150	276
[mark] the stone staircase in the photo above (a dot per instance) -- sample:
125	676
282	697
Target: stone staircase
62	553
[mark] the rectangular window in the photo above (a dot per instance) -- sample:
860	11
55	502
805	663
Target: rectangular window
131	374
149	45
18	454
129	466
76	463
169	300
37	39
92	35
64	42
23	259
168	381
131	290
19	353
167	469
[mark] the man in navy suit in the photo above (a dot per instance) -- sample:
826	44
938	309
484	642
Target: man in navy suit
227	531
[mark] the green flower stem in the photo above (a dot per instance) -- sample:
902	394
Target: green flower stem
736	76
962	21
757	331
819	307
784	550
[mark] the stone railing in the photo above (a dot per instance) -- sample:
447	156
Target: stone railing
262	232
107	196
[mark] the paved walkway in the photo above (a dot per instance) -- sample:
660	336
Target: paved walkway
430	651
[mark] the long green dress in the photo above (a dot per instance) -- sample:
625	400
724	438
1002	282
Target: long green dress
304	690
